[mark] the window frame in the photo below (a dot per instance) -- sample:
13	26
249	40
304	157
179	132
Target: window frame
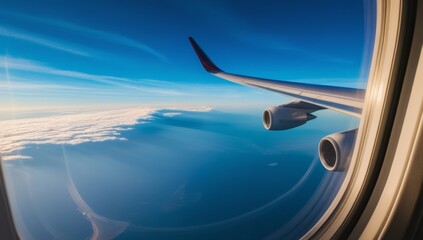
352	214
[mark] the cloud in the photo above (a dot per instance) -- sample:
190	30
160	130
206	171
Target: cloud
27	65
33	66
71	128
171	114
14	157
106	36
30	37
92	33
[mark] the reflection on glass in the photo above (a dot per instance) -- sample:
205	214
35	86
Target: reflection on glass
111	129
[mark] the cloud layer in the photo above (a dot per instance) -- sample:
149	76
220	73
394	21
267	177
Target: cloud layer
30	37
71	128
30	66
77	29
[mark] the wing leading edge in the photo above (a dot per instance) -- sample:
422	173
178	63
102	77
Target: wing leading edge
346	100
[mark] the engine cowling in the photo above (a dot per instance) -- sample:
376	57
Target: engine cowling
281	118
335	150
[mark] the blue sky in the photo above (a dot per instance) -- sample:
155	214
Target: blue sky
74	53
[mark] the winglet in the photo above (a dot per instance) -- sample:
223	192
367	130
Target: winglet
204	59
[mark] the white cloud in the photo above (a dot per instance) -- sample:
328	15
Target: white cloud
106	36
27	65
14	157
30	37
171	114
71	128
93	33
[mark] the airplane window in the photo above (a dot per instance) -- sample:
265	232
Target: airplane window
179	119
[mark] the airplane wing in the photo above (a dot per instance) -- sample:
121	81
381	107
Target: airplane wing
346	100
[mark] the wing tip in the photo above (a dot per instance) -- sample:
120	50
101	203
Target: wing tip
208	65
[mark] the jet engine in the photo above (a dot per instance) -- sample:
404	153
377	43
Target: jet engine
335	150
283	117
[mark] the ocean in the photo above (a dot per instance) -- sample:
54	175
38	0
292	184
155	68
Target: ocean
176	174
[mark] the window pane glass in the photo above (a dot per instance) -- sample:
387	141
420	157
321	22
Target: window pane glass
111	128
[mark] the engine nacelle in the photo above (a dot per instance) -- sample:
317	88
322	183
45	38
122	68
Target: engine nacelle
281	118
336	149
